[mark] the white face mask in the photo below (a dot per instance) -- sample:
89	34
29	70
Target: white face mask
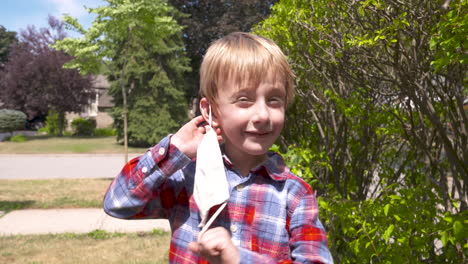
211	187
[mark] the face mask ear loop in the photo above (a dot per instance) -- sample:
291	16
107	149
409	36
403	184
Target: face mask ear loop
209	120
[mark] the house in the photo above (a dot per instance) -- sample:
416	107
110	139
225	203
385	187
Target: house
99	106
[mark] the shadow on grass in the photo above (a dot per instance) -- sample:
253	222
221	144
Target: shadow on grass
108	179
8	206
43	137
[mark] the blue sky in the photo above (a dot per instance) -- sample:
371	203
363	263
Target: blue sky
16	15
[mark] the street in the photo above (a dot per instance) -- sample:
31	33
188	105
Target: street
52	166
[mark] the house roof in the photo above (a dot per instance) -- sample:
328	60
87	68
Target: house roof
101	85
105	99
100	81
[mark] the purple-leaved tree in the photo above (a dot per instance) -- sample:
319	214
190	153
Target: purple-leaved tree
34	80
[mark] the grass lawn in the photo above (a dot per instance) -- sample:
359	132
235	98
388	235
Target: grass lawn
57	193
93	248
52	193
65	144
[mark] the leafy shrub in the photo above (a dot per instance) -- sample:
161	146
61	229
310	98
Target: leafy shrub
401	225
83	126
104	132
52	126
18	138
11	120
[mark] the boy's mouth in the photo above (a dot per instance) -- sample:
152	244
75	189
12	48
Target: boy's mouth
258	133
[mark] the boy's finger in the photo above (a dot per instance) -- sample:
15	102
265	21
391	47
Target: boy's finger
198	120
201	130
193	246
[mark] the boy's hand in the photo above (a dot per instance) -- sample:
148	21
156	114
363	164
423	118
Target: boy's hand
189	136
215	245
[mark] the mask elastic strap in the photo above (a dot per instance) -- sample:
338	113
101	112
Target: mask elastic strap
209	120
211	220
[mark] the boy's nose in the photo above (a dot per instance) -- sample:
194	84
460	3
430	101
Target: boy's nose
262	114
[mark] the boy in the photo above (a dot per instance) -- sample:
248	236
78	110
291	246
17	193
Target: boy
271	214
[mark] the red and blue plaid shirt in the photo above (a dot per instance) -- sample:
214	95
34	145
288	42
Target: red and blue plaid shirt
271	214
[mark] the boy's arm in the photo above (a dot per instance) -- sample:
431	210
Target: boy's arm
143	185
148	185
308	237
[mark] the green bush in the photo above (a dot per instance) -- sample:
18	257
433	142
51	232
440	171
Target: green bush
104	132
11	120
51	127
401	225
83	126
18	138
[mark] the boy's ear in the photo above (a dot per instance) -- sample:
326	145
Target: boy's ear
205	111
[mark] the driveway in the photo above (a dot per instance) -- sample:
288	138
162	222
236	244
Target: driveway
52	166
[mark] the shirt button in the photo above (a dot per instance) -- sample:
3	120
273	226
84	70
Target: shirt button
144	169
233	228
162	151
240	187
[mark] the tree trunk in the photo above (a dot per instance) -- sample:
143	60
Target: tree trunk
125	117
61	123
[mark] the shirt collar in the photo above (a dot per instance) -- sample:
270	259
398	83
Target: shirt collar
274	166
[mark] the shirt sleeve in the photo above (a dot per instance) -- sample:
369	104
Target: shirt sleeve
308	239
147	184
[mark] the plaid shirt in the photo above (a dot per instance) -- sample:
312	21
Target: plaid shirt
271	214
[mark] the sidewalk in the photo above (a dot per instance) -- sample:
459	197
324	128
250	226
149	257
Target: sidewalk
52	221
83	220
68	166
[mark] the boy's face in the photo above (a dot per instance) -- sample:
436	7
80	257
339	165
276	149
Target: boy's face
251	118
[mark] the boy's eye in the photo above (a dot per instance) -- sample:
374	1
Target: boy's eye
276	101
243	101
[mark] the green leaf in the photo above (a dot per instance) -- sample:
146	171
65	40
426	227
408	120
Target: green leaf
448	219
444	238
387	206
458	230
402	240
388	233
395	197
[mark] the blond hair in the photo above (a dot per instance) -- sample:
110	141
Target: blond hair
247	58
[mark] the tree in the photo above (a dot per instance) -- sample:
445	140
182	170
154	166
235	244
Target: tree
34	81
379	124
7	40
141	46
209	20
